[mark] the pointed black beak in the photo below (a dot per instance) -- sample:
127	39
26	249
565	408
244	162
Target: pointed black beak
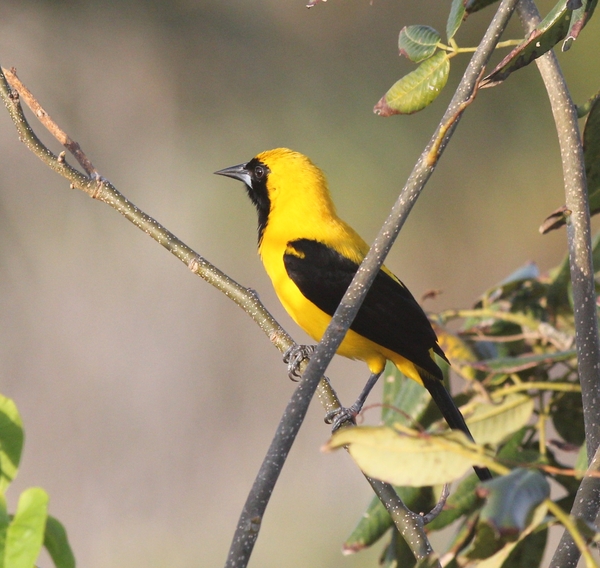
238	172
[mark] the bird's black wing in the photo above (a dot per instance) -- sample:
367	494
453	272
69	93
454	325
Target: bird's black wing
389	316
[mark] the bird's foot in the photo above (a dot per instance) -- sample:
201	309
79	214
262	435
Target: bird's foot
340	416
294	357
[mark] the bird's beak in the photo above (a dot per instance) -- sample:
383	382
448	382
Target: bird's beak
237	172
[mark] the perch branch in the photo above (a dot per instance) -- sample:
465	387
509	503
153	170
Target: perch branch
99	188
354	296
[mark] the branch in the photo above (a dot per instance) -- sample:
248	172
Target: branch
241	549
99	188
587	500
425	166
51	126
405	520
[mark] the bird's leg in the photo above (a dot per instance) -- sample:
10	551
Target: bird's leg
294	356
339	416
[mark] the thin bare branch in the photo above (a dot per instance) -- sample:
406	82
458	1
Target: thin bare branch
99	188
51	126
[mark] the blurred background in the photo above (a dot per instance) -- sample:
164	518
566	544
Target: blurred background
148	397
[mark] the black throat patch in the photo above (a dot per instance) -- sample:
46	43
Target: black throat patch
258	193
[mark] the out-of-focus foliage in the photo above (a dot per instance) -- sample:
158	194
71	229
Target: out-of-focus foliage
523	387
23	534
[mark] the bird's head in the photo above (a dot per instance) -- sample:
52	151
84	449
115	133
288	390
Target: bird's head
283	184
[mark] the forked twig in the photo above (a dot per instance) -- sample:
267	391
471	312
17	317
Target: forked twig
46	120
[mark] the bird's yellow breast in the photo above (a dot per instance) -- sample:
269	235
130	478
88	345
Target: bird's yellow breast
300	208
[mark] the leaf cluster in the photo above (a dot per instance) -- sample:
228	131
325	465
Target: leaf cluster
522	402
422	44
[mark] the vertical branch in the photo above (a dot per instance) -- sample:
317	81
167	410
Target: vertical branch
587	501
240	550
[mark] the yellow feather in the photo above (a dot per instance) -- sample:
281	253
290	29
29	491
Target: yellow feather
302	208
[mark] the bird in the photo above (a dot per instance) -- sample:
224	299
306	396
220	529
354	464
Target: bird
311	256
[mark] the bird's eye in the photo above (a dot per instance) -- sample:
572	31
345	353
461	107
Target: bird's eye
259	172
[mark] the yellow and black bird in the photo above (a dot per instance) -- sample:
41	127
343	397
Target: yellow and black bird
311	256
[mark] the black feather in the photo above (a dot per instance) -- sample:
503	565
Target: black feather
389	316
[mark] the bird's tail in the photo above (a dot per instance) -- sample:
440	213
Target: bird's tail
451	414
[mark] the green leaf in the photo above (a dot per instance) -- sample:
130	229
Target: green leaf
404	400
418	89
462	501
507	365
4	522
375	521
11	441
579	19
57	544
26	531
585	108
472	6
500	558
455	18
514	508
397	553
511	500
529	551
591	156
567	417
418	42
491	423
458	351
581	463
528	271
542	39
485	543
513	450
558	297
462	538
430	561
409	457
373	524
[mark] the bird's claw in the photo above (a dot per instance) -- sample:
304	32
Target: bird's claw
340	416
294	357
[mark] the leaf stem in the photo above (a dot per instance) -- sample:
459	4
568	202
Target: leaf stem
536	385
453	48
